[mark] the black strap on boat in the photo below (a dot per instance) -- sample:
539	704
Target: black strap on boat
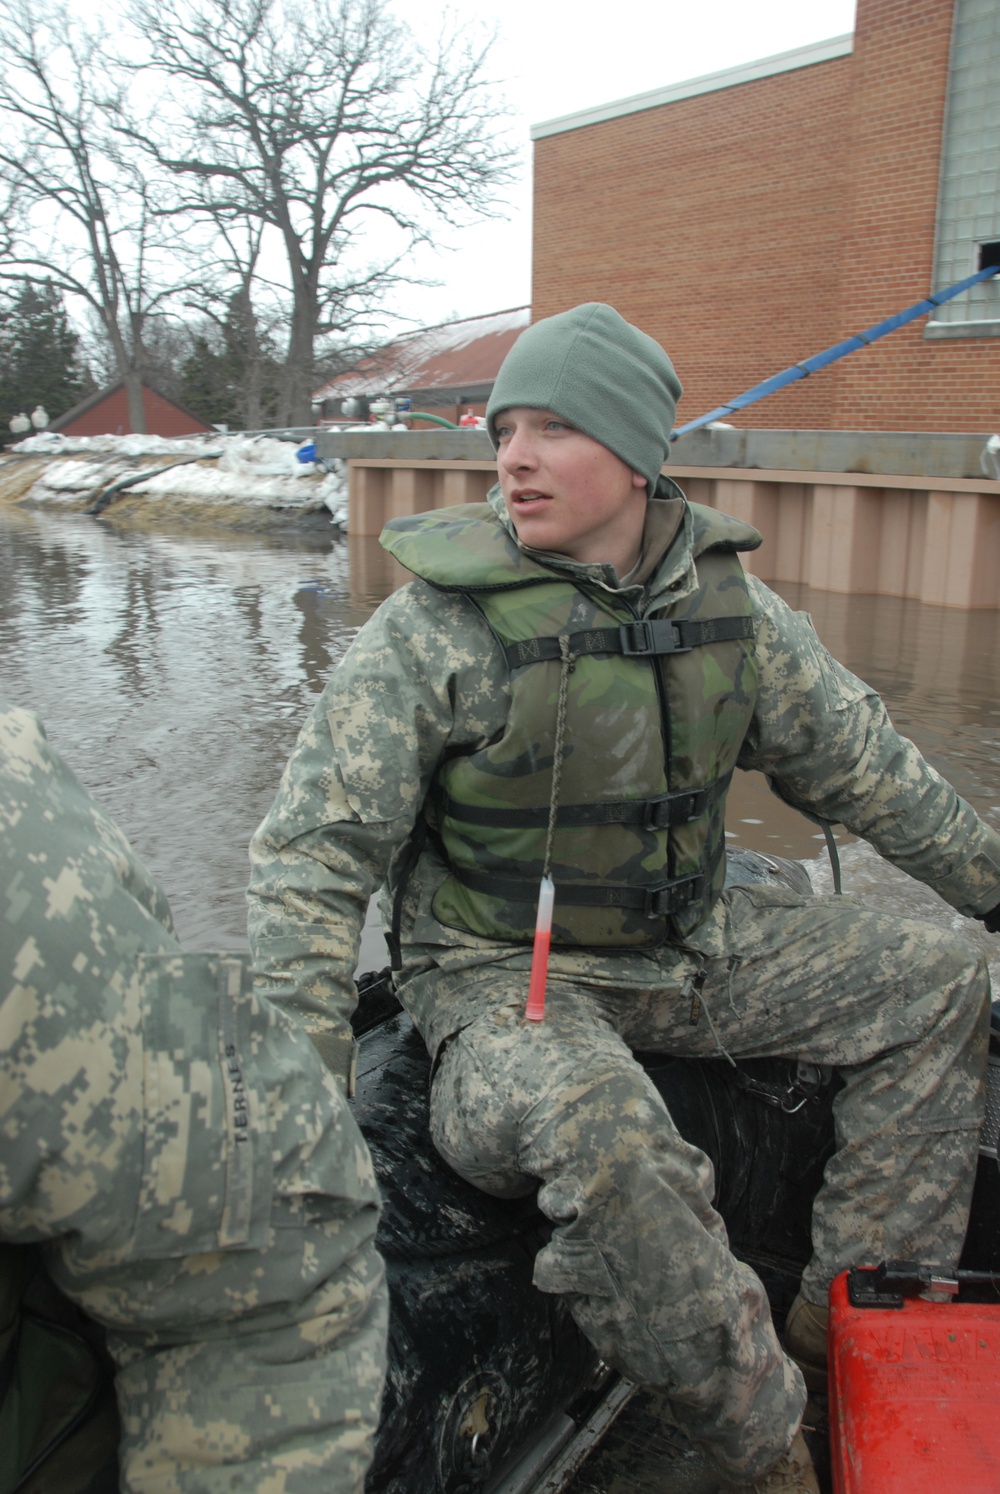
642	639
660	813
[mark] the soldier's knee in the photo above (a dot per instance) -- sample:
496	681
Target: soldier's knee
948	968
969	982
968	962
472	1127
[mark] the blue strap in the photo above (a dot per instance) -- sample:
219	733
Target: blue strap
839	350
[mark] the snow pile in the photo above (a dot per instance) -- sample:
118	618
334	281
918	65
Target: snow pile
65	481
51	443
259	455
257	472
254	489
254	472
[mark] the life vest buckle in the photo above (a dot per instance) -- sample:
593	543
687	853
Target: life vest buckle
678	808
671	897
644	638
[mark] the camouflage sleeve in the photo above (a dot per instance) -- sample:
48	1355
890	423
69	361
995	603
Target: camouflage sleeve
824	739
422	678
192	1174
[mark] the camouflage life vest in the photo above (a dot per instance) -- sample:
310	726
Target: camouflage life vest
656	710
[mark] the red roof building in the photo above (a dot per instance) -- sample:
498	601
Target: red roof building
445	370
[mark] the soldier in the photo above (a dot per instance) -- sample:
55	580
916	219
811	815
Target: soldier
177	1165
564	692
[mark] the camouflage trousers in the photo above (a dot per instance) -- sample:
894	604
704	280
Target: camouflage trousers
900	1009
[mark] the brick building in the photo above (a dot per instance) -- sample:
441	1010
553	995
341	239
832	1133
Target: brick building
756	216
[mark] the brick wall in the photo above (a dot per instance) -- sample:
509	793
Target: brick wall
751	226
899	86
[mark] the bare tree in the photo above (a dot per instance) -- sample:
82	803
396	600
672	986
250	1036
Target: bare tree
324	124
81	214
245	313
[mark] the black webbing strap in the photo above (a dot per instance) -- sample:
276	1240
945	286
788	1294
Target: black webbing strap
641	639
653	902
678	808
662	901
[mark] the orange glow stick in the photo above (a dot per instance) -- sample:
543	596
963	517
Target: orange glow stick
535	1009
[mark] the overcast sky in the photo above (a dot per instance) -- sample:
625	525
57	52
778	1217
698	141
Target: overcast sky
555	57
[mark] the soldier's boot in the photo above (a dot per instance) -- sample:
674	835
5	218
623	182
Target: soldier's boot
805	1342
792	1474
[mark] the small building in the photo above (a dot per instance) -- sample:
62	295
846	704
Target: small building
446	370
106	414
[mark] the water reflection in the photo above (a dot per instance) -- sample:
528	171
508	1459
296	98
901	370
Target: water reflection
936	669
173	671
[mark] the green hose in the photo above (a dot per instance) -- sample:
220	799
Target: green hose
449	425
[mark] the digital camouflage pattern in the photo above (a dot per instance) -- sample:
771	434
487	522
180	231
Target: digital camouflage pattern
191	1173
899	1008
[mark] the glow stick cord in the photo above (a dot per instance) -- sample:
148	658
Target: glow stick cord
535	1009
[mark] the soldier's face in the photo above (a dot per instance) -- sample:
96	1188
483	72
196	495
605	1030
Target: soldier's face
566	492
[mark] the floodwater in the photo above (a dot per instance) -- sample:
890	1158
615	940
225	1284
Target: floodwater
173	669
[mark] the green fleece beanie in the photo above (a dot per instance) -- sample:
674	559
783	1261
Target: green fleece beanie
601	374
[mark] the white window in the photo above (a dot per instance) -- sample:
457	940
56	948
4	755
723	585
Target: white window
968	218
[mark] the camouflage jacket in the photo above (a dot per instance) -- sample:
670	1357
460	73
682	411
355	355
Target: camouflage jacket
175	1151
426	679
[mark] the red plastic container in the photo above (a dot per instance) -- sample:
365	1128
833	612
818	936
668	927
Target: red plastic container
914	1393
